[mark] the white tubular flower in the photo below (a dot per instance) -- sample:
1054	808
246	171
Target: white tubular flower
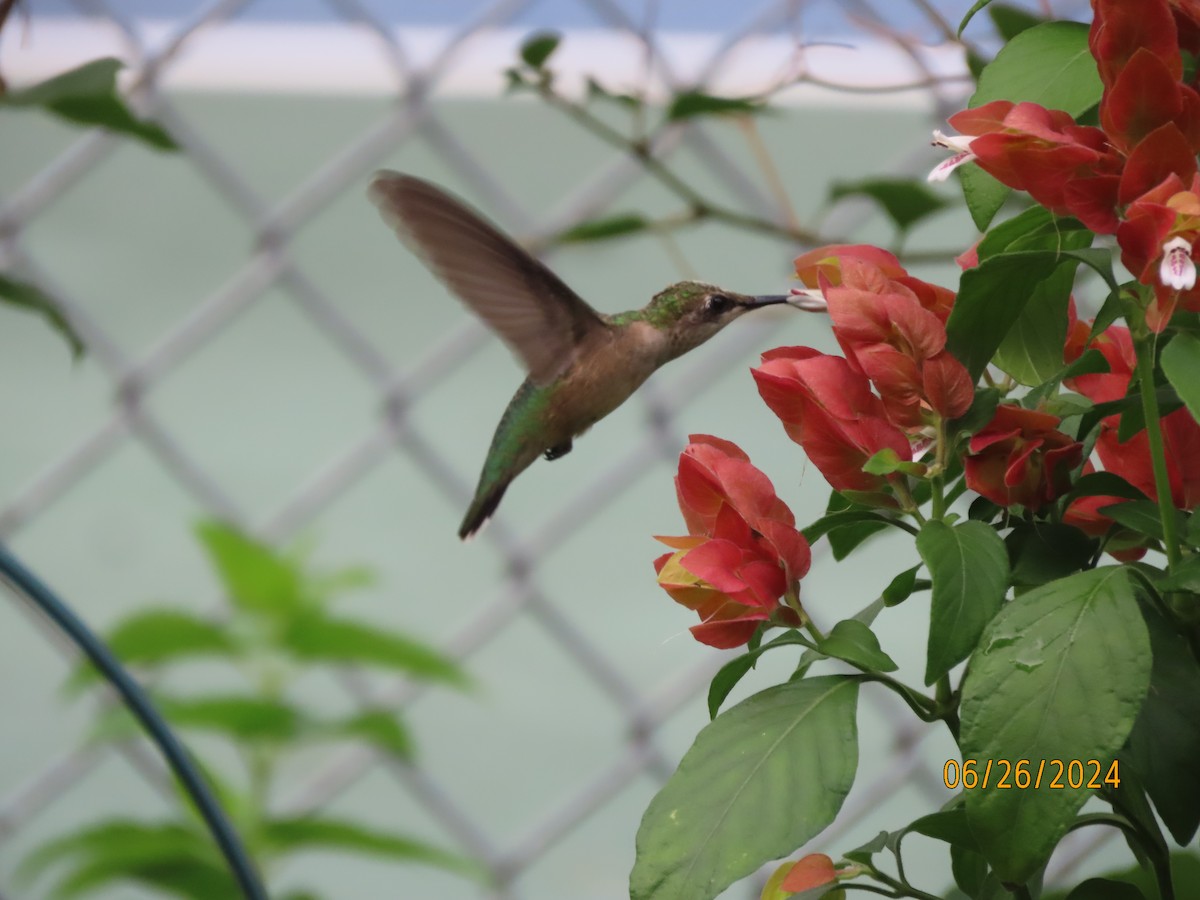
1177	269
960	144
808	299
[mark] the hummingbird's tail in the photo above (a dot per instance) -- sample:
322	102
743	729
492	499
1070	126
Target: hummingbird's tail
487	498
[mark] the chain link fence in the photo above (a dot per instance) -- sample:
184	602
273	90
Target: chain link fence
260	350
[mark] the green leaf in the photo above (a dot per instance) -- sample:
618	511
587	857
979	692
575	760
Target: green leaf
238	717
87	95
848	525
854	642
1129	408
983	193
325	585
1060	675
850	518
761	779
604	228
887	461
1164	746
29	297
1032	351
947	825
132	841
1129	800
538	47
380	728
864	852
596	89
968	866
1181	365
689	104
1043	551
160	635
258	579
166	855
1015	233
1103	889
905	201
1011	20
285	836
865	616
1140	516
1103	484
190	879
241	717
901	587
844	541
1184	577
735	670
1048	64
1185	871
1099	260
980	413
968	566
971	874
321	638
990	299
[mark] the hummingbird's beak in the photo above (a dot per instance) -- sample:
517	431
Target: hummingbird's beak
809	301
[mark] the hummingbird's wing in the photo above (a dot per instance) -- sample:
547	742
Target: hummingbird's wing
541	319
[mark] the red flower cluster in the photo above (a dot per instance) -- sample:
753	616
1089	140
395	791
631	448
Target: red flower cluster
1020	457
743	552
1136	175
891	326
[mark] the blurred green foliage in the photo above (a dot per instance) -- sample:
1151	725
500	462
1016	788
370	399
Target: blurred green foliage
283	623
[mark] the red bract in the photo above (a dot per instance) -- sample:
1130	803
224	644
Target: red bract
1131	459
900	346
856	264
1069	169
1120	29
1077	334
810	872
744	552
1146	96
1157	240
1020	458
827	407
870	269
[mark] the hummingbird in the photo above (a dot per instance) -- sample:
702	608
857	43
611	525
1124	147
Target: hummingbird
582	364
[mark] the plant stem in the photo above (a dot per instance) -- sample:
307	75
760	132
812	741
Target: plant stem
937	483
907	503
945	704
924	707
905	889
1158	458
869	888
640	150
812	629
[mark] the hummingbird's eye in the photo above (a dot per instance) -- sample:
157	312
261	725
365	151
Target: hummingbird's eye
716	304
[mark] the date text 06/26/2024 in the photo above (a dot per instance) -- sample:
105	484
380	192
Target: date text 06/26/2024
1056	774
